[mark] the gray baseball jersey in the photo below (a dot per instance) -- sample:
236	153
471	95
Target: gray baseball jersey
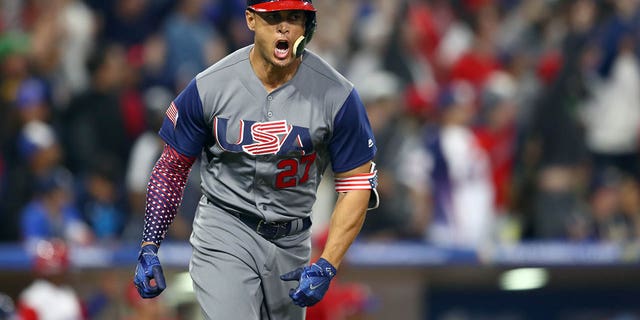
263	154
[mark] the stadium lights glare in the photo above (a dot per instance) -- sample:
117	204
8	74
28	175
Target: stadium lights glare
524	279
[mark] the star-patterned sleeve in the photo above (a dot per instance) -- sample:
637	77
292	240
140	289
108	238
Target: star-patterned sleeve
164	193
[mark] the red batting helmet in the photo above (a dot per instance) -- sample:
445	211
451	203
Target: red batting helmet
281	5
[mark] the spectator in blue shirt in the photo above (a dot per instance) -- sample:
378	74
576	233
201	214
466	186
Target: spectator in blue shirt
51	214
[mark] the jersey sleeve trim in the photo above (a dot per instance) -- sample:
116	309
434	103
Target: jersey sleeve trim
362	181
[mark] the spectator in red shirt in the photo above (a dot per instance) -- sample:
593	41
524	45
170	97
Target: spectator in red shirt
496	134
477	64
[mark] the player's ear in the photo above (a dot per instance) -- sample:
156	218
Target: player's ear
251	19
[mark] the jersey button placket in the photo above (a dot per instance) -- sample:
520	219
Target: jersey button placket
269	112
264	168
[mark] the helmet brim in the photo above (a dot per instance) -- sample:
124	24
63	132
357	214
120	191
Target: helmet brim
282	6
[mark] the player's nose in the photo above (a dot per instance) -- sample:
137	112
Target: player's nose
283	27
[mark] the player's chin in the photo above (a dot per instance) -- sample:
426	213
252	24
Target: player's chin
283	62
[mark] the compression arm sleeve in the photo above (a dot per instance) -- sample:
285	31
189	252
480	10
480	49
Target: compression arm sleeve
164	193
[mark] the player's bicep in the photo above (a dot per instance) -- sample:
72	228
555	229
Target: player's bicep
184	127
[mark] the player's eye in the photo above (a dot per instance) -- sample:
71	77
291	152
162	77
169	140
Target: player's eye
272	18
295	17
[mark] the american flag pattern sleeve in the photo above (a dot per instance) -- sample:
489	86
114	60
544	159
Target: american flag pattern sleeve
363	181
172	114
164	193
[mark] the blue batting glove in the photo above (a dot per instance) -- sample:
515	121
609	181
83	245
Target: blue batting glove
314	282
149	268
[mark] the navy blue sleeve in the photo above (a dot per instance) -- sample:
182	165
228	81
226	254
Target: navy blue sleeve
184	127
352	143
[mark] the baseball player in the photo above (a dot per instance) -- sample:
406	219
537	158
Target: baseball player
265	121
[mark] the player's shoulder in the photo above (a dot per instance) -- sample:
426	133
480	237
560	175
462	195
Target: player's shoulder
324	72
225	65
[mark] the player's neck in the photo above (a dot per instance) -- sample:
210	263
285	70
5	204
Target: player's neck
272	76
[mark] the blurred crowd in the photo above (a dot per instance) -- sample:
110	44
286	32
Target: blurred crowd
496	120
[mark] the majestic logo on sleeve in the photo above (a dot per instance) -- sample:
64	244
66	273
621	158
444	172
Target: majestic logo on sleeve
263	138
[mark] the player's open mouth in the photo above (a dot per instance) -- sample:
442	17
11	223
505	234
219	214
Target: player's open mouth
282	49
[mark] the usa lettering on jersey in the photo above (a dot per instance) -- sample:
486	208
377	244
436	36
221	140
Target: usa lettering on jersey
264	138
266	135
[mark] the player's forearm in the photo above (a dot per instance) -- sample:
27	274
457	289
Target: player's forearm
164	194
346	222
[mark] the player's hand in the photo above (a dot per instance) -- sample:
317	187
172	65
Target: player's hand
314	282
148	269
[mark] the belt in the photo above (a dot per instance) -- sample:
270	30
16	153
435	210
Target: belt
275	229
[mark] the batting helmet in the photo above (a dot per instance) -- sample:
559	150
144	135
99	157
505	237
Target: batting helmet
281	5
